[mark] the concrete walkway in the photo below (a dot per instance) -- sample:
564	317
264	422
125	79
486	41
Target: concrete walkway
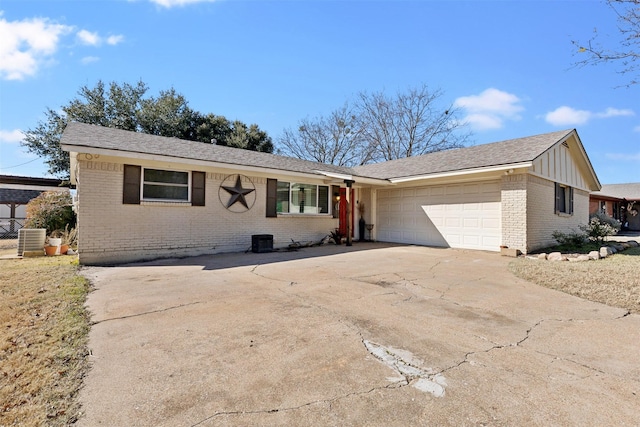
369	335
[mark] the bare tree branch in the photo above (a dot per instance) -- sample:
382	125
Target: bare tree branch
410	123
334	139
627	53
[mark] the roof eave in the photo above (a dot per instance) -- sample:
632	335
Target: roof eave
447	174
354	178
74	150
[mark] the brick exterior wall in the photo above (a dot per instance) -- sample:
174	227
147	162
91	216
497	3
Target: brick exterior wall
543	221
528	217
112	232
514	211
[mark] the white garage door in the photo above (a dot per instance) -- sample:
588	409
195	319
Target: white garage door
457	215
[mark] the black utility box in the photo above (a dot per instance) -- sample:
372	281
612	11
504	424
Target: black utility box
261	243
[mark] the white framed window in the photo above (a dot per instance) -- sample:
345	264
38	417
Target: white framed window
165	185
299	198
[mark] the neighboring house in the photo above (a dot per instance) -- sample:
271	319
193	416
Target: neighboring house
620	201
142	196
15	193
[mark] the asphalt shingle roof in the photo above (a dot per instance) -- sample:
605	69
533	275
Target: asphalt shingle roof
21	197
495	154
512	151
630	191
84	135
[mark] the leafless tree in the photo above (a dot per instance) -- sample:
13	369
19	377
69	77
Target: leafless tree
408	124
377	127
334	139
627	53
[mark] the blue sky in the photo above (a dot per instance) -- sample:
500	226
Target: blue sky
506	64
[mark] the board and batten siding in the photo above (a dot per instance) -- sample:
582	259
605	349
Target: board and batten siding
557	164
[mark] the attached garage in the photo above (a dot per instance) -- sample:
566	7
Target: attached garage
464	216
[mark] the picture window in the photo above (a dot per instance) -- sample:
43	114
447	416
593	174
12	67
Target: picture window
301	198
165	185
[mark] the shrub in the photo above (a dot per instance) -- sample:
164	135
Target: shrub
51	210
601	226
572	239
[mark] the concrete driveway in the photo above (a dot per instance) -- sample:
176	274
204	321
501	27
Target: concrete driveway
369	335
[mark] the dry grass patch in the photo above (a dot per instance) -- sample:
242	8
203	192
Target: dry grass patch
614	281
43	340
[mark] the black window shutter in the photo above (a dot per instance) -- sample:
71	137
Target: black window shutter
570	210
198	180
131	188
557	188
272	191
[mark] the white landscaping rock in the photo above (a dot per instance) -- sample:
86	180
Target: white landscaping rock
605	251
594	255
555	256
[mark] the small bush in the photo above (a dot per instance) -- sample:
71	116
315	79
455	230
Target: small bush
51	210
601	226
572	239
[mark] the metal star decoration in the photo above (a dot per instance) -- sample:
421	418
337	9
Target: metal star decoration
238	193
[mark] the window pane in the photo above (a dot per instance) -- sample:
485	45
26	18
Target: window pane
170	177
562	207
323	199
303	198
152	191
282	197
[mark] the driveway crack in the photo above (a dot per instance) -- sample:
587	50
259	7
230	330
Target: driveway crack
328	402
495	346
145	313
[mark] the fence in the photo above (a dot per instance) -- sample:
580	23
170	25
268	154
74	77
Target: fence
9	227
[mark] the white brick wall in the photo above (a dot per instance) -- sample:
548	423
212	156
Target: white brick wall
111	232
543	221
514	211
528	217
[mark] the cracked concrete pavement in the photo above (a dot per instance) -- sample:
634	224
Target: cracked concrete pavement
348	336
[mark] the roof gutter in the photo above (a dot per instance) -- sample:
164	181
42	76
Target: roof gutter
354	178
462	172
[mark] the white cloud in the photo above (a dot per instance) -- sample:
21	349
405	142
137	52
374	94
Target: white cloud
483	121
614	112
636	129
94	39
89	60
88	38
114	40
490	109
568	116
564	116
26	45
11	136
630	157
173	3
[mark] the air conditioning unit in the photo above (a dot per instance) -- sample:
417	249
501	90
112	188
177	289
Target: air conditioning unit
31	239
